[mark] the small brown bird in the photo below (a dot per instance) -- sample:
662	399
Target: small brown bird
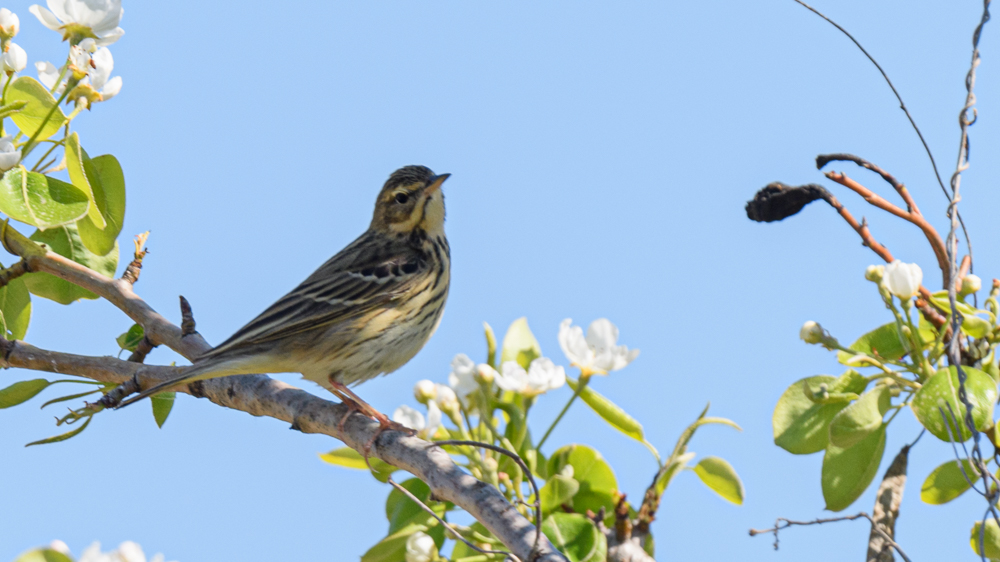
365	312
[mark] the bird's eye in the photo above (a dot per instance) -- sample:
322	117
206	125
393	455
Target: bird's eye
402	198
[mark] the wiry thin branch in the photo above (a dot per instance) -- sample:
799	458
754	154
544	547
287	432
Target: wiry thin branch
782	523
260	395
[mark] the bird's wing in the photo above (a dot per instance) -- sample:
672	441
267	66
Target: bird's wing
360	278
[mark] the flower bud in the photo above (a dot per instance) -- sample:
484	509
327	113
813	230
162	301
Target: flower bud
447	399
420	547
903	279
486	374
424	391
971	284
874	273
9	155
812	332
9	24
14	59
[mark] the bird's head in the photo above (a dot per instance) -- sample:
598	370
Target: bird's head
410	199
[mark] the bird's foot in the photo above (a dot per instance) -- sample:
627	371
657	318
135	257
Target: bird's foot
385	424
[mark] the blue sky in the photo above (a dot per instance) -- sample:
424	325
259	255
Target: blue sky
601	156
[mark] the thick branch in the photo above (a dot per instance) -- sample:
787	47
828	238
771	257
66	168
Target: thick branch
260	395
887	502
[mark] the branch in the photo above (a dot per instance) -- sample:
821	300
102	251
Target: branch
887	502
260	395
783	523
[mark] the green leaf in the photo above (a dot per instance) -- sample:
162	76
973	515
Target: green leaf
64	436
40	200
991	539
15	309
131	339
520	344
107	181
946	482
402	511
40	104
162	404
576	537
881	343
801	426
848	472
349	458
43	555
65	241
21	392
721	478
557	491
609	411
972	324
861	417
672	469
598	485
68	398
941	390
75	157
491	345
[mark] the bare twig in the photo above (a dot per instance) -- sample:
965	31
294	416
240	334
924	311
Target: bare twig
782	523
140	353
187	319
13	272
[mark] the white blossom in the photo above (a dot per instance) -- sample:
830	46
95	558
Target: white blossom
127	551
420	547
48	73
59	546
903	279
9	156
446	398
99	74
14	59
485	373
971	283
433	420
407	416
812	332
542	376
463	375
99	18
10	24
599	351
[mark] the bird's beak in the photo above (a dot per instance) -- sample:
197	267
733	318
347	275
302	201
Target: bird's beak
436	182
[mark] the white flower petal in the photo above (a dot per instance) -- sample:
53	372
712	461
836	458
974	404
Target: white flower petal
9	159
110	37
512	377
602	334
129	551
47	18
573	344
15	59
102	64
903	279
420	547
433	420
544	375
112	88
61	9
405	415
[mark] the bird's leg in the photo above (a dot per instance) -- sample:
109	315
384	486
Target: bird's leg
356	404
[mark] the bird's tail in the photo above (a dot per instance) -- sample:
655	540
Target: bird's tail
194	373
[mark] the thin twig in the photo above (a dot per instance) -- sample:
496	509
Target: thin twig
131	274
783	523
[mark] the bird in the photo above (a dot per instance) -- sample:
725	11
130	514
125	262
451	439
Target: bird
365	312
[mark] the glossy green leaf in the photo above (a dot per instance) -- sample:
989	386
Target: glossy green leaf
162	404
107	181
40	200
721	478
64	436
990	539
349	458
801	426
131	339
22	391
598	485
882	343
65	241
609	411
43	555
972	324
941	391
848	472
946	482
519	344
557	491
39	106
576	537
860	418
15	309
401	511
75	157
